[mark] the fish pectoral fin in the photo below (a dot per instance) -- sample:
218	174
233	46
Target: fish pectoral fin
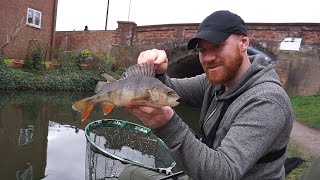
86	112
140	100
107	107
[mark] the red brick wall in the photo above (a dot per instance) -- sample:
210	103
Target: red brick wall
266	37
163	34
12	11
128	40
76	41
123	34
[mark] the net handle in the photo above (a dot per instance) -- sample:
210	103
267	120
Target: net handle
124	125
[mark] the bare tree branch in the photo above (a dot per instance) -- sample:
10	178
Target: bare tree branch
11	36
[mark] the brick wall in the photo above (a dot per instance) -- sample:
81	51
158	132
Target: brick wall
12	12
268	36
76	41
264	36
128	40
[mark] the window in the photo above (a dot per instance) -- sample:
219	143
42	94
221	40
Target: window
34	18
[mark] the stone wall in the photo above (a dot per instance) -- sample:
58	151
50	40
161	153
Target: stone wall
303	73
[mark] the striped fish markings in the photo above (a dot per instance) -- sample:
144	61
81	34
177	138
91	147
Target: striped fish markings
138	86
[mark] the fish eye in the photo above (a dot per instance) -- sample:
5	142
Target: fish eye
170	92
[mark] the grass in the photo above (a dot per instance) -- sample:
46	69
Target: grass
8	62
294	150
307	110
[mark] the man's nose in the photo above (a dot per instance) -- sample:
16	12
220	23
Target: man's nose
209	56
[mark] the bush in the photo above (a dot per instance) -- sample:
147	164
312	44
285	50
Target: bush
11	79
97	62
16	79
69	61
100	62
69	77
3	64
35	63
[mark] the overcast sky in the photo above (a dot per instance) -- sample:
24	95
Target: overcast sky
76	14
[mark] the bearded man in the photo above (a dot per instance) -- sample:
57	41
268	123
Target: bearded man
246	116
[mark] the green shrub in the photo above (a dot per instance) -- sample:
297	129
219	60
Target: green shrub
12	79
16	79
3	63
35	63
69	61
100	62
69	77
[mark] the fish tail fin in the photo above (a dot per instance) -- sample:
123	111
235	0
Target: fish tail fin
84	106
107	107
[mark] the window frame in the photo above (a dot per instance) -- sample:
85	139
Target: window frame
33	23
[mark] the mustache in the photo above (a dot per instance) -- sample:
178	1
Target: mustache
211	65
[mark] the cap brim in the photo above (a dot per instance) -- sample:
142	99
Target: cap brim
214	37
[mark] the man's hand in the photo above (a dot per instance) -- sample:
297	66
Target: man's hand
152	117
157	57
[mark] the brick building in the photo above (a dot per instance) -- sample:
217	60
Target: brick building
33	21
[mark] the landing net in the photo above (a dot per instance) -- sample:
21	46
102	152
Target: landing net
113	144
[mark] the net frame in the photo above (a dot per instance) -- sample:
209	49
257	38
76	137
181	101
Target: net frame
130	126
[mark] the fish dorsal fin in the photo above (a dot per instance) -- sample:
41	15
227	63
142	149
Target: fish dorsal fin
144	69
100	85
109	78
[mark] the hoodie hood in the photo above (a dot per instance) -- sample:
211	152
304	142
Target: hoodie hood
259	72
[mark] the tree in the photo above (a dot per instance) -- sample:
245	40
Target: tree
11	36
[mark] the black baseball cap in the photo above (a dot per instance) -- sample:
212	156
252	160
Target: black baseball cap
217	27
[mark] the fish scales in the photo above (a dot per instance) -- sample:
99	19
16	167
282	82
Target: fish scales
137	87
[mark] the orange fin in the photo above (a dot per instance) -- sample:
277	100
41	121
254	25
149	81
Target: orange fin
84	106
107	107
86	112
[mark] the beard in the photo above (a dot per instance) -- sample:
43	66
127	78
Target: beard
227	70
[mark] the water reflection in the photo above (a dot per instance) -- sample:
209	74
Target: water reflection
41	137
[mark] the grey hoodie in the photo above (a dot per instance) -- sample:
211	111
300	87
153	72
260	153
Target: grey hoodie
257	122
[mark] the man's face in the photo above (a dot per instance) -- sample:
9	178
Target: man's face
221	63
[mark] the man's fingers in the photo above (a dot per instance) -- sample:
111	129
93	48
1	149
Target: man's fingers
144	110
161	57
137	112
155	56
147	56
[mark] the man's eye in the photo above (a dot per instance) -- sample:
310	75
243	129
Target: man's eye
201	50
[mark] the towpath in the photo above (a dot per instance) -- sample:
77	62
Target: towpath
308	138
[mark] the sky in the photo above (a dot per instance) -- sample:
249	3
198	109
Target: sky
76	14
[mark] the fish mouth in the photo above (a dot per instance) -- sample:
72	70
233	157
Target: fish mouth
173	100
174	103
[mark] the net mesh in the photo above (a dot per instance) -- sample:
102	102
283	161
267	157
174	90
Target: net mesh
127	144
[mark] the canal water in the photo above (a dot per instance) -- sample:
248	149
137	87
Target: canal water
41	137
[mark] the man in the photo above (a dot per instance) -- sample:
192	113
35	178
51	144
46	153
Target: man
246	116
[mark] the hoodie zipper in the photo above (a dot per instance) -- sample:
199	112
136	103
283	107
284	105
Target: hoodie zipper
214	110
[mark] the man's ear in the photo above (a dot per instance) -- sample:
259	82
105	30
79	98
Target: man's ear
244	43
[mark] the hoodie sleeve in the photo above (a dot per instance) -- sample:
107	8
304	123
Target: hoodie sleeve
239	150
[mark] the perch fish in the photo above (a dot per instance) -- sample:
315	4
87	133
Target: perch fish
138	86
